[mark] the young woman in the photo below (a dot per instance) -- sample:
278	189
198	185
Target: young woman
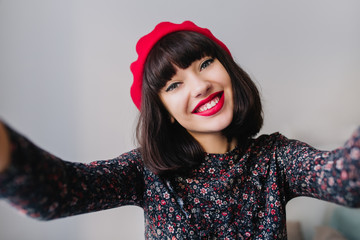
199	173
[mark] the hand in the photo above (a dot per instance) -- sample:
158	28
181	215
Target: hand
4	149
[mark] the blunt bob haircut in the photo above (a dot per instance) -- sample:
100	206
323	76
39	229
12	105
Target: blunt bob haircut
167	147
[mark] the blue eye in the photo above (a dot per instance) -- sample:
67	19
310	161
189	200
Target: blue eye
172	86
206	63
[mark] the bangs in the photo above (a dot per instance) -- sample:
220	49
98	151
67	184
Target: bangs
178	49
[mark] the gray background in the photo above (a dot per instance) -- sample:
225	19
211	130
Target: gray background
65	78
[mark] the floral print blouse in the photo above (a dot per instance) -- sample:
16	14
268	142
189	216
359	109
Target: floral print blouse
237	195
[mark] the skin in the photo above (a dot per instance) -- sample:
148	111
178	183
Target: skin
4	149
189	87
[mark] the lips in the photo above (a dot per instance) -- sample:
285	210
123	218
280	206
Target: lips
211	105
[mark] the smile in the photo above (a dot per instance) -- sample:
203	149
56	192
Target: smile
211	105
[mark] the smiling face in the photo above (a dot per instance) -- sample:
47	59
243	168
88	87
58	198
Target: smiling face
200	97
195	81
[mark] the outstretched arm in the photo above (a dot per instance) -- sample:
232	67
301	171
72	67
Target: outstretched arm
46	187
328	175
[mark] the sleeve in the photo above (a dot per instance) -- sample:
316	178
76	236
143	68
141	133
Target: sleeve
46	187
327	175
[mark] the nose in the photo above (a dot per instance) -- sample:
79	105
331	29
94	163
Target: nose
199	87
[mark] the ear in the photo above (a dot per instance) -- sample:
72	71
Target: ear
172	119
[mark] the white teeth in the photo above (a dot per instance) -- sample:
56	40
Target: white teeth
209	105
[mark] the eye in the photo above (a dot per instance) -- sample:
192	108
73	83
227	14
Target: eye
172	86
206	63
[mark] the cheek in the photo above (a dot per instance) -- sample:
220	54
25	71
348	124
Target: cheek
170	104
175	103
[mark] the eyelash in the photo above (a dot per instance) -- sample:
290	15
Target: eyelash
203	65
172	86
206	63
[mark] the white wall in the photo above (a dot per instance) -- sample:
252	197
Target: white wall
65	78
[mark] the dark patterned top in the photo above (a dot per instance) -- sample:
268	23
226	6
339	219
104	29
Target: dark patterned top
236	195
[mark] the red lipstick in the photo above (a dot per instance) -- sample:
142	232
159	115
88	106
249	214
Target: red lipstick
202	108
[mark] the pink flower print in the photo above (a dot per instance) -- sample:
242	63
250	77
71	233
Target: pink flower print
329	165
245	196
340	164
317	168
344	175
355	153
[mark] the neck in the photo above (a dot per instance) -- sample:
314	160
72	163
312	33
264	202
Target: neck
216	143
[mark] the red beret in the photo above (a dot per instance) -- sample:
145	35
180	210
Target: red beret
145	44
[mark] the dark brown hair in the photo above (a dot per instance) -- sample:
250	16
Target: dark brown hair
167	147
